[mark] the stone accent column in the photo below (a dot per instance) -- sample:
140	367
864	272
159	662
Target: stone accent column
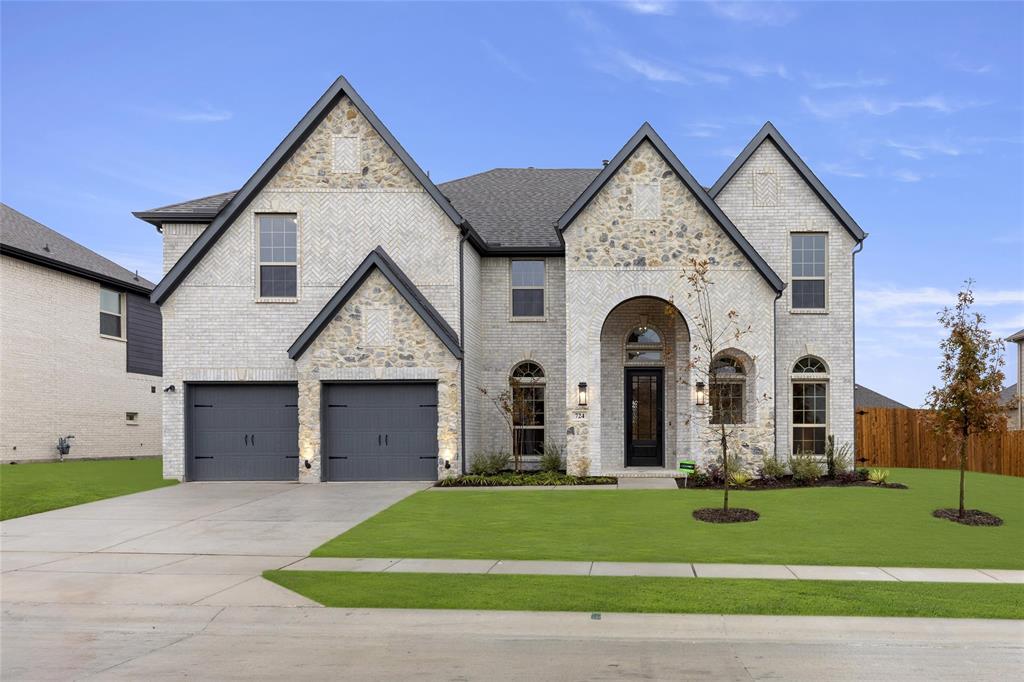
309	426
577	441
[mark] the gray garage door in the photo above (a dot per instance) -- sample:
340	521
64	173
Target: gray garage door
243	432
380	432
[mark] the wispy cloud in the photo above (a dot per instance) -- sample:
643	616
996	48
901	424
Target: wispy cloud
860	81
905	175
958	63
204	113
883	107
924	149
661	72
751	68
764	13
843	170
649	7
918	307
503	60
702	129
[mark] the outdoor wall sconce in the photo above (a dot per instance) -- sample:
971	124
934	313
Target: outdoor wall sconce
700	393
583	394
169	389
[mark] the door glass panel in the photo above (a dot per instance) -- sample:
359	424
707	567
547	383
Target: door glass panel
644	408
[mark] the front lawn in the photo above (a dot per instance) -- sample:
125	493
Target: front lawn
832	526
37	487
654	595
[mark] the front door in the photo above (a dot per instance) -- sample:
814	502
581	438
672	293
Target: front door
645	401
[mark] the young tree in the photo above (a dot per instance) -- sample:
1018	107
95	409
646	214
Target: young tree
514	410
971	372
713	332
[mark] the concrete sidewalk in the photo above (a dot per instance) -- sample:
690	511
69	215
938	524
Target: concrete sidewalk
660	570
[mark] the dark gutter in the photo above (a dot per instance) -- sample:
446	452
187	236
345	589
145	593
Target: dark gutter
462	340
61	266
853	340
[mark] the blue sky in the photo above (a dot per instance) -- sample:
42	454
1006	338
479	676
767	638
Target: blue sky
912	114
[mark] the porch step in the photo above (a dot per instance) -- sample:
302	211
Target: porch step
646	483
641	473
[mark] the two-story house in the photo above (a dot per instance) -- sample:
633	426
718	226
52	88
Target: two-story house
80	349
337	317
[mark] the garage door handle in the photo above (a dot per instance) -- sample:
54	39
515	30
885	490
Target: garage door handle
427	457
203	457
253	438
247	439
291	456
337	458
385	439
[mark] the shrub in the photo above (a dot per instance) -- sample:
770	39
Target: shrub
861	473
740	479
878	476
771	469
848	476
489	463
551	460
837	459
716	472
806	468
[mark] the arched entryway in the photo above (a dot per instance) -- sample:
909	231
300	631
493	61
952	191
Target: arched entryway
645	350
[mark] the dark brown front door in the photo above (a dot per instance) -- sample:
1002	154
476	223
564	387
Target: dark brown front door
645	400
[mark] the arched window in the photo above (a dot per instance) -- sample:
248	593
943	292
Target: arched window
644	345
527	385
728	387
810	406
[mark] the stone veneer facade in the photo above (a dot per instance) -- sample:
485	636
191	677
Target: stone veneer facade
625	259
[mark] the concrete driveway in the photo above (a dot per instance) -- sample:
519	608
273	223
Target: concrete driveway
196	543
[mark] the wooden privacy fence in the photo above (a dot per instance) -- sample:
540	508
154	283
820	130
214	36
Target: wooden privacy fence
902	438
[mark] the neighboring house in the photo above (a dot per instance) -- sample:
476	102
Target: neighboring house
336	317
1011	395
80	349
864	398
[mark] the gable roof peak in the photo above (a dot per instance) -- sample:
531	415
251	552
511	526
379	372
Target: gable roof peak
647	132
769	132
291	143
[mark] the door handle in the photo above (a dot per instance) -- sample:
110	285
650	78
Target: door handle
247	440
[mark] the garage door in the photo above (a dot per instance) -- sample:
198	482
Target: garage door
380	431
243	432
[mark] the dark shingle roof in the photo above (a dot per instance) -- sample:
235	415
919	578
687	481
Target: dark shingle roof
518	207
1007	395
864	397
22	237
202	209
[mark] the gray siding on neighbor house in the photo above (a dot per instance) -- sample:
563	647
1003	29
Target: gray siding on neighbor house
144	333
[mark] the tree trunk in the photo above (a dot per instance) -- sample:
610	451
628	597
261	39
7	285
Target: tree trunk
725	470
963	468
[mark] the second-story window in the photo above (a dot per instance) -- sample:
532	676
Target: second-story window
278	256
111	313
808	271
527	288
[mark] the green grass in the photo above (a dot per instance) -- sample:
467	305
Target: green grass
654	595
37	487
834	526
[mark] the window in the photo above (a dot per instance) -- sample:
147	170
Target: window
111	313
810	408
808	271
727	388
277	256
527	382
527	288
643	345
131	418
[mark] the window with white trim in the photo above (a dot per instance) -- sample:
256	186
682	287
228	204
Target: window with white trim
111	313
810	406
728	386
527	384
527	288
808	273
278	256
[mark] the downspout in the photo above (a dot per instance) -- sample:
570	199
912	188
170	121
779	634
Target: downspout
462	342
775	369
853	342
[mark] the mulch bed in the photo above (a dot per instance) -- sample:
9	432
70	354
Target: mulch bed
788	482
972	517
725	516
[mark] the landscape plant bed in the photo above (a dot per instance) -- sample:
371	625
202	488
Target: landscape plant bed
510	478
717	515
971	517
788	482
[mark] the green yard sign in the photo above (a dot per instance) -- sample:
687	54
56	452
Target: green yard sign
687	466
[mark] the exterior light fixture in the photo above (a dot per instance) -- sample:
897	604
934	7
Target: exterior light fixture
169	389
583	394
701	396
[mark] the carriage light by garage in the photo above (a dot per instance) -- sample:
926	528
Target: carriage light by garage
583	394
700	393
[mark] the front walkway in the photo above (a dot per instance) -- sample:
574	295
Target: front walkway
660	570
